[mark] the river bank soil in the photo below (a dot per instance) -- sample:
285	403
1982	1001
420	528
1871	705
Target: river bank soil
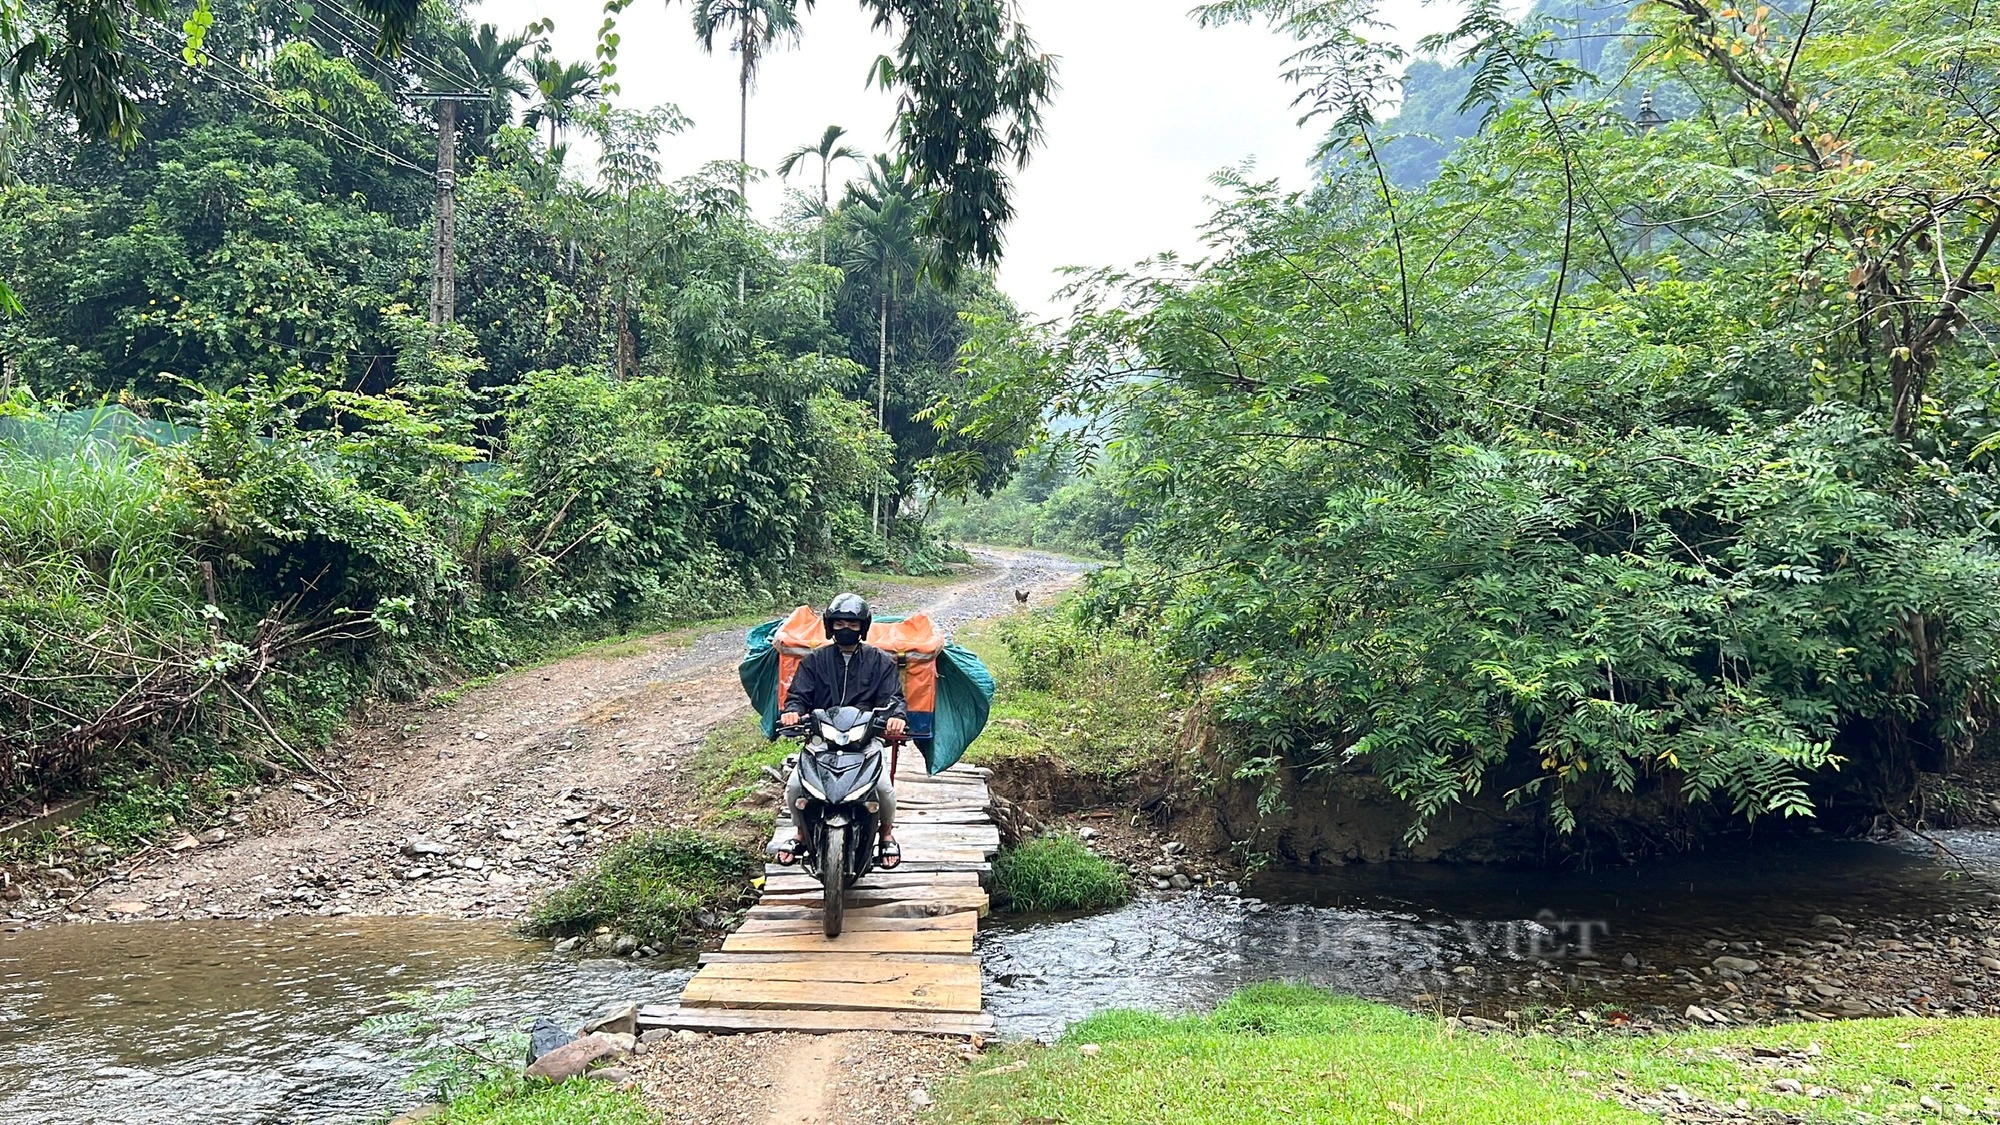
478	807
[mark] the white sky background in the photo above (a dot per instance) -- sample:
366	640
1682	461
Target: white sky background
1151	106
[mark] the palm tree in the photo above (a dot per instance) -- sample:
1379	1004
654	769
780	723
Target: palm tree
882	244
828	150
563	89
493	67
756	26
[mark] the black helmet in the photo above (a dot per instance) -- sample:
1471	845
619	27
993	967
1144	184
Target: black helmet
848	606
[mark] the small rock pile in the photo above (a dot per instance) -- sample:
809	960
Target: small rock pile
594	1052
1165	865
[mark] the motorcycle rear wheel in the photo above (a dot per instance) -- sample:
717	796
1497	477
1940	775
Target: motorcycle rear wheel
833	879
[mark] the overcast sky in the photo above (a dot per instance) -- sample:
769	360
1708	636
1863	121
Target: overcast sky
1151	106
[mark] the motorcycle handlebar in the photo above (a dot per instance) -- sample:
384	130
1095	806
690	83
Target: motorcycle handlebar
804	730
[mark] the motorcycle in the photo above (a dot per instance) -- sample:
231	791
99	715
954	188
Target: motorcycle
837	818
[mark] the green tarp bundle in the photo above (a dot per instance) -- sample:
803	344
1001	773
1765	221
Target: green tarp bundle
964	696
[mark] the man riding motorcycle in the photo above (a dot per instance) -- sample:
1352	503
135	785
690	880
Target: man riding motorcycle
848	673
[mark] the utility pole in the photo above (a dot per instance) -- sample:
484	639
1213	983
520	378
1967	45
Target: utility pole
1648	120
444	240
444	243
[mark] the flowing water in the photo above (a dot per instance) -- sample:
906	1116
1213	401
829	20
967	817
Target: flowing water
1396	931
240	1022
213	1022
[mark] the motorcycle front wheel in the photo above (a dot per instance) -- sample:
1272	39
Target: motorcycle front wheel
833	879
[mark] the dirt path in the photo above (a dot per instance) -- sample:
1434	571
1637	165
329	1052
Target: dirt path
870	1077
479	808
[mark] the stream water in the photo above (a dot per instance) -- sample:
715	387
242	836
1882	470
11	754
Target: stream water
1396	931
198	1023
239	1022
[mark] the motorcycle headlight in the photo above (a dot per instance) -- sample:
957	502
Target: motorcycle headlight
813	789
827	731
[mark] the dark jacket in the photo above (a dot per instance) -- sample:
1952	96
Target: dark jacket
869	681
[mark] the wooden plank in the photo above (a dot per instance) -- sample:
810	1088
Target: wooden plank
953	898
910	866
778	919
921	840
836	986
731	1020
809	940
846	954
48	820
799	909
976	792
792	880
942	824
941	814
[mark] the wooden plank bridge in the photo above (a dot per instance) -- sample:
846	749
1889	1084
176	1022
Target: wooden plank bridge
904	959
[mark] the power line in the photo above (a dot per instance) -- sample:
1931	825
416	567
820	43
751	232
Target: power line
358	26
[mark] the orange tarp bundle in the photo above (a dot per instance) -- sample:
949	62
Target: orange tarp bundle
948	688
913	641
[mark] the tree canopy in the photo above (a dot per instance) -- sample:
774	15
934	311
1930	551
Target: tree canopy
1615	463
647	404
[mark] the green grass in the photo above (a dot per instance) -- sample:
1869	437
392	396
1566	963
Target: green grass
728	767
1098	703
1057	873
1281	1053
517	1102
651	886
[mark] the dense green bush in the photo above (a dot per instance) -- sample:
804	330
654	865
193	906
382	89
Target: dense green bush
1099	705
1086	513
653	886
1048	647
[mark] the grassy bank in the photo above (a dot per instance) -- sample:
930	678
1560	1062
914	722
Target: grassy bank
515	1101
1280	1053
728	768
1097	703
656	887
193	783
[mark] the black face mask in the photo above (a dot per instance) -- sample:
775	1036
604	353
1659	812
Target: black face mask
846	637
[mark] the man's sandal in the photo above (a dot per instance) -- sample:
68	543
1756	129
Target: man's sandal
890	855
789	854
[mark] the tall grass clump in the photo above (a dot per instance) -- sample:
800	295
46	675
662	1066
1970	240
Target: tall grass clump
101	620
653	886
1056	873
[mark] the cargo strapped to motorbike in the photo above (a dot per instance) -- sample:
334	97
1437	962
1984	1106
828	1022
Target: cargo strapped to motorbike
948	689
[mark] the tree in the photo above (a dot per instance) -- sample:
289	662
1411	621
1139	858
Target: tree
563	89
493	66
642	236
1478	487
828	150
756	26
972	87
882	244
